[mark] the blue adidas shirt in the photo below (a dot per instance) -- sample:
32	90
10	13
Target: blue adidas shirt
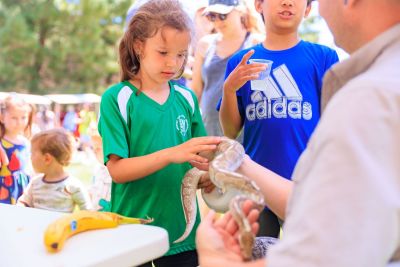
280	116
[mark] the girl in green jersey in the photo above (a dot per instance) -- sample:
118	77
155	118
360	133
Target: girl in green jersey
151	127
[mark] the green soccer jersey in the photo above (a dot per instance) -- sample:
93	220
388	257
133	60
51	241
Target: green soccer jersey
134	125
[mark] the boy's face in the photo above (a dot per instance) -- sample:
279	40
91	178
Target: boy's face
282	16
38	159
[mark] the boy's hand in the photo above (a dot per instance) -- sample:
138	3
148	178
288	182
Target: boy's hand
189	151
243	73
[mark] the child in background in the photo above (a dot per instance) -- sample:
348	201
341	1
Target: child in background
148	124
100	189
236	29
54	189
15	127
278	114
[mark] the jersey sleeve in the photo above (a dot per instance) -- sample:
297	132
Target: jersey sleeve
113	126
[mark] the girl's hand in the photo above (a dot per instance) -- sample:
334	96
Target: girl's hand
189	150
243	73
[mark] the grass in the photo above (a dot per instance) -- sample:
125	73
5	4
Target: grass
82	167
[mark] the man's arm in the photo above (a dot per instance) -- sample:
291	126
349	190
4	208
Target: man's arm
275	188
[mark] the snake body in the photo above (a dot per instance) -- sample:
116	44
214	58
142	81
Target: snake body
232	189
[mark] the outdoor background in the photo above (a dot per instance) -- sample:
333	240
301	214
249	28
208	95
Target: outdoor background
69	46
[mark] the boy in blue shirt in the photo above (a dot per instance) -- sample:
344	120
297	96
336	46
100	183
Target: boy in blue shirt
278	114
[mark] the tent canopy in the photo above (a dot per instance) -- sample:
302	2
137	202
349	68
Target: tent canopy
74	98
32	99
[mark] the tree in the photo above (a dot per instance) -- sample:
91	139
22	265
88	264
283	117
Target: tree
308	30
50	46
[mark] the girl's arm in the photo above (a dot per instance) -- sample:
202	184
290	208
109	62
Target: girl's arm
3	157
275	188
124	170
197	81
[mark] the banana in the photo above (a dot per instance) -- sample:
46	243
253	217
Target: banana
61	229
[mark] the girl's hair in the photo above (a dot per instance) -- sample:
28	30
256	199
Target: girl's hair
15	101
148	20
57	142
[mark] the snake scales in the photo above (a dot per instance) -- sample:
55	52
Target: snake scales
231	190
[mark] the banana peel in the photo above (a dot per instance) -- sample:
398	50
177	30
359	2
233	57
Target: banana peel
63	228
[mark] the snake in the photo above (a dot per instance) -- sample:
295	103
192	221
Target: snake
231	190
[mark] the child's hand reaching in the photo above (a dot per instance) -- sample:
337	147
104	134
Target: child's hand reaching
243	73
189	151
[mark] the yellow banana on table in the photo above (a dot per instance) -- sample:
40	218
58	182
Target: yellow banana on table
61	229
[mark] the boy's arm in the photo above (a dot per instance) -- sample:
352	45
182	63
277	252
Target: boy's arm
229	116
230	119
26	198
80	196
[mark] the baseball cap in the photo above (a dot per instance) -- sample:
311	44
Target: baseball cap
221	6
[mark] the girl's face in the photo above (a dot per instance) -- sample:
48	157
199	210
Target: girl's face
162	56
15	119
283	16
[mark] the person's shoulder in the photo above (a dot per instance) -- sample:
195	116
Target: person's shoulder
115	90
208	38
237	57
182	89
185	93
37	179
318	48
256	38
205	42
73	184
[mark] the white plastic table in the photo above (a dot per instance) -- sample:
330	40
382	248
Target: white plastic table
21	242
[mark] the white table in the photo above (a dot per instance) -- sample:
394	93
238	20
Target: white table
21	242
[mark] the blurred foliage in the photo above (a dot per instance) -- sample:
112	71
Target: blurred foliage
67	46
308	30
60	46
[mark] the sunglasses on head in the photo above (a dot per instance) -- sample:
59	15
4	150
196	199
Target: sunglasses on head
213	16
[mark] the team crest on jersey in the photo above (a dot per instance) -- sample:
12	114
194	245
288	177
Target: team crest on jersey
182	124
